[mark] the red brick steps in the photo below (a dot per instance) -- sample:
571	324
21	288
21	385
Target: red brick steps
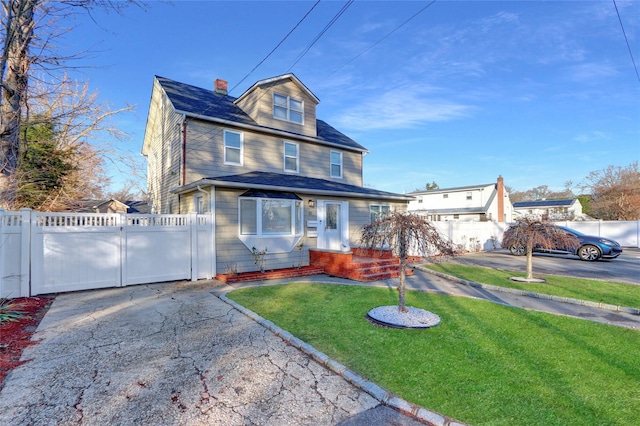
358	265
362	266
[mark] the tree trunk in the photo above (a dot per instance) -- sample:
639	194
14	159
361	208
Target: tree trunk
14	65
403	272
529	261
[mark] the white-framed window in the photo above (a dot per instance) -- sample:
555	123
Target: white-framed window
270	216
376	211
233	151
445	195
336	164
469	196
288	109
291	157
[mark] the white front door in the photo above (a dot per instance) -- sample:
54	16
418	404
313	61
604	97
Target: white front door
333	220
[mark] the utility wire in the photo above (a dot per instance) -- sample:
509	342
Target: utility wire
215	132
383	38
627	40
324	30
275	48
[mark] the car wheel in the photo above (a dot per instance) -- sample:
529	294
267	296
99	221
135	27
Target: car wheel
589	252
517	250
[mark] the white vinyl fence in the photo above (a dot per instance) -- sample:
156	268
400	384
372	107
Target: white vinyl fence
485	236
56	252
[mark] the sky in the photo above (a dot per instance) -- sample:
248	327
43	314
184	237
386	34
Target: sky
452	92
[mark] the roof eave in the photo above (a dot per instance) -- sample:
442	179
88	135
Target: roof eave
277	78
242	185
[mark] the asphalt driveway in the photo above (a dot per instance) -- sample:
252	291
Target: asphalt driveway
169	354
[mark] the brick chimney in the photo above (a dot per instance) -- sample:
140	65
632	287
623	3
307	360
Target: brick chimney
500	190
220	86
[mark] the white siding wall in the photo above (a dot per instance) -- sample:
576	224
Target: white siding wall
457	199
453	199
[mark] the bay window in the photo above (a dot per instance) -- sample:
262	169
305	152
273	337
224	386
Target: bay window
273	214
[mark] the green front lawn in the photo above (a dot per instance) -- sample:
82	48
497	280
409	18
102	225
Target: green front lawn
485	364
577	288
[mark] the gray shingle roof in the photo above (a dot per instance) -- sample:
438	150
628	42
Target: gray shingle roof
543	203
208	104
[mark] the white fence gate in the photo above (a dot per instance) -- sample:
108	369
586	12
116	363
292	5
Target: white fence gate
56	252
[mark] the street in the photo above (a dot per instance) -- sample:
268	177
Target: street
625	268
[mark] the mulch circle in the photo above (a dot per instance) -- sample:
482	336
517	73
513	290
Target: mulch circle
16	335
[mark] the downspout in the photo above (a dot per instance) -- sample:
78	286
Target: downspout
206	194
184	150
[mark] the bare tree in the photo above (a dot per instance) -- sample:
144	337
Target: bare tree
615	192
30	26
77	127
402	232
128	192
528	232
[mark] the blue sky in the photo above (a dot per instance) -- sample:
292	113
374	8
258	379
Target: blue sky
538	92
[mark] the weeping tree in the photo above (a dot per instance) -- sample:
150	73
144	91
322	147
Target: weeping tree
405	234
528	232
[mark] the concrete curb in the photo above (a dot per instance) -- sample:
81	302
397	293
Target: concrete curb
384	396
597	305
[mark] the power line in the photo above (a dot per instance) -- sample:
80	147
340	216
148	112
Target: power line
324	30
275	48
627	40
216	132
383	38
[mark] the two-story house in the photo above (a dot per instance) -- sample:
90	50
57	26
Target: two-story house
480	203
274	176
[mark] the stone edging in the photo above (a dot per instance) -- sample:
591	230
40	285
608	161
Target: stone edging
597	305
384	396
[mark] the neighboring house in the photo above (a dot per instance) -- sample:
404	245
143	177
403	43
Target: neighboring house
137	207
110	206
273	175
479	203
568	209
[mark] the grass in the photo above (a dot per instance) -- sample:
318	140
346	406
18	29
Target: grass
485	364
578	288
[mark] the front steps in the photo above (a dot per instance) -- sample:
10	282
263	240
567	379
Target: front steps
358	265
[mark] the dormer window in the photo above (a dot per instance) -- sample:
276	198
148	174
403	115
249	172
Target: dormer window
288	109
